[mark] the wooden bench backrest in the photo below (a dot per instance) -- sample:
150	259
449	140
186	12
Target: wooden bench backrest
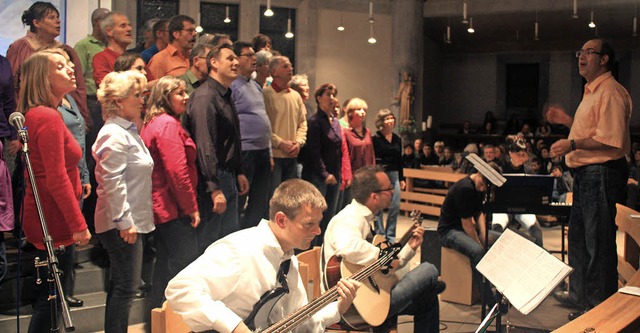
311	259
628	262
428	201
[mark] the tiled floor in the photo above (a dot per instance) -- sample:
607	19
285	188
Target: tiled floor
461	318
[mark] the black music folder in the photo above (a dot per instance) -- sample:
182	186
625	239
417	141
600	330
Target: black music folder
523	193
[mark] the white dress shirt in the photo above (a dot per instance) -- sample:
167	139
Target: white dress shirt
123	172
347	234
219	289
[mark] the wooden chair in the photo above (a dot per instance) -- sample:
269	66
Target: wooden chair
164	320
310	266
630	226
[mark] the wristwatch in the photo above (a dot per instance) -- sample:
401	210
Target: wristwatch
573	144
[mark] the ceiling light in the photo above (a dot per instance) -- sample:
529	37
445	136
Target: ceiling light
289	34
341	26
268	12
371	40
226	18
199	29
471	29
592	24
464	12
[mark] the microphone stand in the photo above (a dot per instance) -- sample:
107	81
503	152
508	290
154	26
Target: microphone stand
53	276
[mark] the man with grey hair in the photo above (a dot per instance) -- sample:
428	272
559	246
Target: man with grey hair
262	67
300	83
198	71
288	118
148	37
117	30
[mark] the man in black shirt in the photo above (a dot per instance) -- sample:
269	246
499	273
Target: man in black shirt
212	122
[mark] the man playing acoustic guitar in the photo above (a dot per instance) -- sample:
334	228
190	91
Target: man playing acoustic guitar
219	289
346	237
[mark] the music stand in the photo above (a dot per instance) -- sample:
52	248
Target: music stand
497	180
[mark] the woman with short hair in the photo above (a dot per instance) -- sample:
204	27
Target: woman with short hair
124	208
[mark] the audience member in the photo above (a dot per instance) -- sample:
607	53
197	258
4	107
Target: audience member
124	208
255	133
489	153
261	42
174	59
561	184
409	157
428	157
438	149
417	147
300	83
388	149
54	154
174	181
212	121
219	290
198	71
148	36
263	73
448	158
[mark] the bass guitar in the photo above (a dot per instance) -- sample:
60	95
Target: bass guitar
371	305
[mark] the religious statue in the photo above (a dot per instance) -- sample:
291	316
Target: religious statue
405	95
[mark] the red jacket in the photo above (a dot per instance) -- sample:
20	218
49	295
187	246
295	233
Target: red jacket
174	176
54	155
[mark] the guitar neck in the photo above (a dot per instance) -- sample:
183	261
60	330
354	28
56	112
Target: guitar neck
301	315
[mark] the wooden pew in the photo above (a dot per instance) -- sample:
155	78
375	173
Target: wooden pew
428	201
620	312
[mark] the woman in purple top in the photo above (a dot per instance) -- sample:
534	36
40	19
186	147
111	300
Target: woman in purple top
322	155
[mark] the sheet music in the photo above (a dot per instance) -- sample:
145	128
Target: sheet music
523	272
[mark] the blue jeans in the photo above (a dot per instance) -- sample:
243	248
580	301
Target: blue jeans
41	318
177	247
257	169
392	220
461	242
415	295
215	226
592	232
124	278
330	193
283	169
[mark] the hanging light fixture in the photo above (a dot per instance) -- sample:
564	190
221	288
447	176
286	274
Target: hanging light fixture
592	24
471	29
341	26
289	34
199	28
268	12
465	20
535	29
371	40
226	18
447	34
634	32
575	9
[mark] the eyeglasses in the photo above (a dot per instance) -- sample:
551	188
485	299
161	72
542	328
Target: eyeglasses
191	30
391	188
587	52
248	55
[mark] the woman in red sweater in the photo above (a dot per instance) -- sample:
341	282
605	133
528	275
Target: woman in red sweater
54	153
174	180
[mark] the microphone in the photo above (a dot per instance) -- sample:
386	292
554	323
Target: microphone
17	120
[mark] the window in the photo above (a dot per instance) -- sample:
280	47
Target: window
276	26
212	17
148	9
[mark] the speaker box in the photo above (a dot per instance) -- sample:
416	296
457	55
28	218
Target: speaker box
430	249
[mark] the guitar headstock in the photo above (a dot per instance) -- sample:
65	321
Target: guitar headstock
416	216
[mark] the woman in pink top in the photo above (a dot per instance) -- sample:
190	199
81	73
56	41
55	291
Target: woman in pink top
174	179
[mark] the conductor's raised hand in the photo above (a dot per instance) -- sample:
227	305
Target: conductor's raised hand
347	291
555	114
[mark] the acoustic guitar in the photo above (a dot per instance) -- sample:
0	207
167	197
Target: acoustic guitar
258	318
373	299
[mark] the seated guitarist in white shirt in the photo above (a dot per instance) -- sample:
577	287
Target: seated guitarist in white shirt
218	290
346	236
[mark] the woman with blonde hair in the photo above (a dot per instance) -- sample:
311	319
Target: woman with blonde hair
123	173
175	209
358	139
54	153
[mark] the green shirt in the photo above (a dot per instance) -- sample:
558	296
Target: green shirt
86	49
191	80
